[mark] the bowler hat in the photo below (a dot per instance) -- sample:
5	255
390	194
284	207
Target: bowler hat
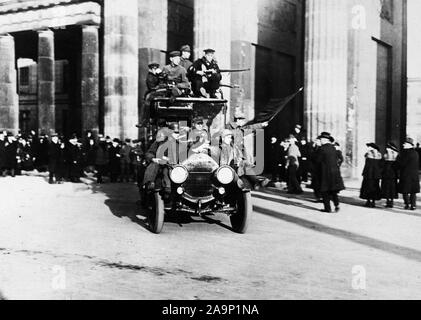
185	48
392	146
373	145
175	54
325	135
410	141
209	51
153	65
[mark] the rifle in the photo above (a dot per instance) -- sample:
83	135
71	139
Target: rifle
232	86
234	70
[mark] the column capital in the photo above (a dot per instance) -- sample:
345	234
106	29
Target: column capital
89	27
45	32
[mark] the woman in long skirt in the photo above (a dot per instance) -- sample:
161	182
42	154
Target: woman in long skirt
370	189
389	185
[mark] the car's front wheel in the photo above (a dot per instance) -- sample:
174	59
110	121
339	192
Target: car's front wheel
240	219
156	216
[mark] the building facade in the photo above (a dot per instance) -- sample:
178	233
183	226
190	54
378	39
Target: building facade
82	64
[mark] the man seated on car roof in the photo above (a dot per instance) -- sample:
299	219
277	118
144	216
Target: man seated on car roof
175	76
205	75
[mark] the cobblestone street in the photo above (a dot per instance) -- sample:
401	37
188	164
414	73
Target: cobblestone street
80	241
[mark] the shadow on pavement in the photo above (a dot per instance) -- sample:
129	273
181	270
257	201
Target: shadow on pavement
308	196
387	247
123	201
285	202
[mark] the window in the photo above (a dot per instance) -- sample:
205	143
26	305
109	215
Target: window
24	76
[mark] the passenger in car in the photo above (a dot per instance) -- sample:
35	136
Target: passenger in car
198	138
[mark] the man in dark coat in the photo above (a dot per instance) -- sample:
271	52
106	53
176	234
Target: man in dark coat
10	149
114	160
53	159
409	184
315	172
304	160
331	182
370	188
101	159
74	159
88	151
418	149
206	75
41	153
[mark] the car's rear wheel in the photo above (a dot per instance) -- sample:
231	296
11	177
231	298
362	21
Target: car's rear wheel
241	218
156	216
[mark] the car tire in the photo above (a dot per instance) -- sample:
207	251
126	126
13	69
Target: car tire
156	216
240	219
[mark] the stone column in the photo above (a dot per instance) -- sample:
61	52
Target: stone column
121	68
244	31
90	79
212	29
46	83
9	102
153	28
326	50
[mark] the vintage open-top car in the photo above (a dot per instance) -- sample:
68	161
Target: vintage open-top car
199	185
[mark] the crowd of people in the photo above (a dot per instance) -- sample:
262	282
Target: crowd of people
70	159
385	176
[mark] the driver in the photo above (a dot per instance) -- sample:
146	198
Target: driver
199	137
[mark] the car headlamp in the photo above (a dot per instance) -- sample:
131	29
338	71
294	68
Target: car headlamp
179	174
225	175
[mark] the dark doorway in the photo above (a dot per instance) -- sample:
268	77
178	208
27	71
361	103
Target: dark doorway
67	42
180	23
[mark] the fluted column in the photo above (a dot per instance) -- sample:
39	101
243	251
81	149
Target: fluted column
9	102
212	29
90	79
46	83
153	29
244	32
326	50
121	68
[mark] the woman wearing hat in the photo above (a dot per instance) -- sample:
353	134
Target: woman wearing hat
409	184
389	185
370	189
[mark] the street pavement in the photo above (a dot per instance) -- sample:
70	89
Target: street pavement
83	241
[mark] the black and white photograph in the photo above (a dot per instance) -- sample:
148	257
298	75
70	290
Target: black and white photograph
210	150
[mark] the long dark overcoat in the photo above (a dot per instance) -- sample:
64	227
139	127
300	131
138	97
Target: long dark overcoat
328	169
407	163
370	188
389	184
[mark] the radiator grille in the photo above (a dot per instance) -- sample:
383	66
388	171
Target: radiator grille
199	184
